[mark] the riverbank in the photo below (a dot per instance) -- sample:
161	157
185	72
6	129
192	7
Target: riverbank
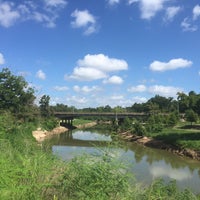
159	144
40	135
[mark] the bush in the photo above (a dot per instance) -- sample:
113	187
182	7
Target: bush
93	177
139	129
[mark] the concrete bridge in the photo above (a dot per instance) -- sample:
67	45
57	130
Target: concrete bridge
66	118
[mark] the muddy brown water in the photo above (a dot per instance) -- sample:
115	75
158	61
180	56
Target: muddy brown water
146	163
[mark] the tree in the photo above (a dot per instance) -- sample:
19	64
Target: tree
172	119
44	106
191	116
15	96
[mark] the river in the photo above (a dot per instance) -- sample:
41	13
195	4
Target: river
146	163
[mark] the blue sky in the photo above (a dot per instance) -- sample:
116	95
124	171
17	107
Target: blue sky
89	53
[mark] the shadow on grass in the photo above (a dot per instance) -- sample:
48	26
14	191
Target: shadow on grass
197	127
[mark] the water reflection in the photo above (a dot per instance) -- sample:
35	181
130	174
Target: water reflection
163	170
146	163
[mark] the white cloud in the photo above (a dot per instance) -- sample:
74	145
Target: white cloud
149	8
103	63
11	12
8	15
187	25
2	60
83	19
41	75
56	3
167	91
132	1
138	88
86	89
171	65
171	12
43	18
196	12
114	80
61	88
76	100
117	97
137	99
94	67
113	2
86	74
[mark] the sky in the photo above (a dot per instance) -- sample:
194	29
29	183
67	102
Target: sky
91	53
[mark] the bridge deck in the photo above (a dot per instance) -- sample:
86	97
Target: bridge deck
63	115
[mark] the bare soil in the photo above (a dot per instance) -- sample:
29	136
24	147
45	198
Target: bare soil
40	135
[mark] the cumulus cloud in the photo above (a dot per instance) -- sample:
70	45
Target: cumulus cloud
84	19
86	74
132	1
117	97
41	75
187	25
2	60
97	66
61	88
171	12
167	91
103	63
196	12
113	2
11	12
75	100
149	8
56	3
8	16
138	88
114	80
86	89
171	65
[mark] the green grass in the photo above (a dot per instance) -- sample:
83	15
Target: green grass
77	122
182	136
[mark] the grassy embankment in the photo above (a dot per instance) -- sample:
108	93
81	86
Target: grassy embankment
182	135
29	172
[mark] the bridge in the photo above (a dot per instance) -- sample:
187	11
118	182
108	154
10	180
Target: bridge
66	118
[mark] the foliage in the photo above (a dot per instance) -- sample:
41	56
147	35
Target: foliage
139	129
162	191
44	106
172	119
127	124
155	123
15	95
191	116
93	177
48	123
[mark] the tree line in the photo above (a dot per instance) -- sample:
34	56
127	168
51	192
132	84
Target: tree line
18	97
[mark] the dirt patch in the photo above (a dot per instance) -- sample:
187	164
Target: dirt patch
159	144
40	134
